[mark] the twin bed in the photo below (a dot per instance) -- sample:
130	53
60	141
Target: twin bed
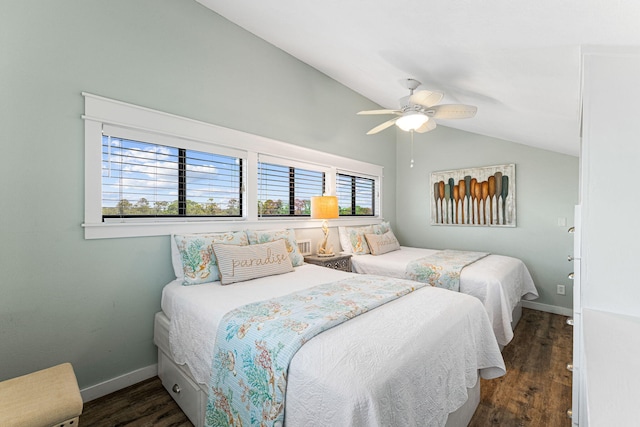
499	282
414	360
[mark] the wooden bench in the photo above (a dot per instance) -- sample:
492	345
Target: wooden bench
45	398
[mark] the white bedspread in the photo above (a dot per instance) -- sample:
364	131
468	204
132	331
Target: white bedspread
195	311
408	362
499	282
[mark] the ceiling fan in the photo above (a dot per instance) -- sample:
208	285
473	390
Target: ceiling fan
418	110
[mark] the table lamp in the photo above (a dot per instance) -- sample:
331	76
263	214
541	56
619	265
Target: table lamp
324	207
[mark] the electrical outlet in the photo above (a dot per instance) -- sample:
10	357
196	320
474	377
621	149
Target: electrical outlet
560	290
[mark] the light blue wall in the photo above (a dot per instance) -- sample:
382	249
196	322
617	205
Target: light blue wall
92	302
546	189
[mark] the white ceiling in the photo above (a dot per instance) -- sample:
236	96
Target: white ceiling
518	62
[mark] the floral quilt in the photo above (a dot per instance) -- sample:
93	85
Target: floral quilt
442	269
256	342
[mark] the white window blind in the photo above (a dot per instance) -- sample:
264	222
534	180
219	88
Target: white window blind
143	179
286	190
356	195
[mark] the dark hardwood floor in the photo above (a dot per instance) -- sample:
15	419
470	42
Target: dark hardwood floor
536	391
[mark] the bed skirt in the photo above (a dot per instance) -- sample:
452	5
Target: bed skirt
192	397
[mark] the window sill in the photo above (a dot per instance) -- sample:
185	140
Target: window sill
113	230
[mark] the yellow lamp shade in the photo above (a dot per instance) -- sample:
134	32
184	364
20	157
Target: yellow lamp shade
324	207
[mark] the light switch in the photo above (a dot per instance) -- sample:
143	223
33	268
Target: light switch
562	222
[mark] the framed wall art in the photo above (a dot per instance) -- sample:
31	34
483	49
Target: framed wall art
484	196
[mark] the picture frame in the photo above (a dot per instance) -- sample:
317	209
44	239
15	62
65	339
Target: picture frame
477	197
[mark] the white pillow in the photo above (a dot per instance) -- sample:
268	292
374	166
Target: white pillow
176	261
344	240
240	263
382	243
192	255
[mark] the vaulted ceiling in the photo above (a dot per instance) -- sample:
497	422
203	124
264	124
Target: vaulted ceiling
518	62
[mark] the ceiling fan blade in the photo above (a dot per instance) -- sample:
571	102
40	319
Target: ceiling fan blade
452	111
369	112
427	126
426	98
383	126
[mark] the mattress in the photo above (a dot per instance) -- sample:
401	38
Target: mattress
412	358
498	281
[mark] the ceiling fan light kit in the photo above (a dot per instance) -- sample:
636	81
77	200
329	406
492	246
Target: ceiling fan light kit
418	110
411	120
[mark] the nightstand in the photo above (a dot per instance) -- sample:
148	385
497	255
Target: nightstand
337	262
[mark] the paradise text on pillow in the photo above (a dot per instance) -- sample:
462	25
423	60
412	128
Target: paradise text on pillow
268	259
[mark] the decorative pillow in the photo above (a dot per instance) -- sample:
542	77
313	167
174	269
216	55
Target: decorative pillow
289	236
382	243
357	240
240	263
197	263
381	228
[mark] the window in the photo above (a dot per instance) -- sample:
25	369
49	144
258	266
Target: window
356	195
141	179
151	173
287	190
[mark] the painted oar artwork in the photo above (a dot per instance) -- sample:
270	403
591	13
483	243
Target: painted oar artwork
483	196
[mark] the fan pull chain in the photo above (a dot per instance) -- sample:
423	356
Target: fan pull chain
411	165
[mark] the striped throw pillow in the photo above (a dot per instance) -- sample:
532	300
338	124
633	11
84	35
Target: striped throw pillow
240	263
382	243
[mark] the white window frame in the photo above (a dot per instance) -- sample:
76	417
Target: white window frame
288	162
376	182
175	142
201	136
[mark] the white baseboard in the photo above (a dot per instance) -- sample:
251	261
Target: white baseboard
118	383
548	308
